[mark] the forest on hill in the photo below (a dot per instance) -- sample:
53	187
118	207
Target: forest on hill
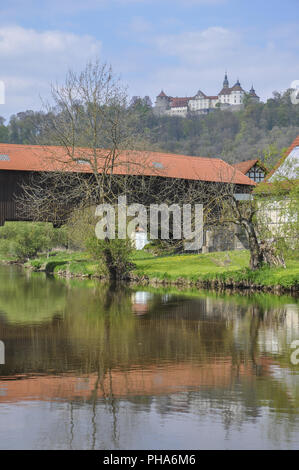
260	130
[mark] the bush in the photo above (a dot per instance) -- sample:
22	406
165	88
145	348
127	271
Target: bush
23	240
80	227
114	256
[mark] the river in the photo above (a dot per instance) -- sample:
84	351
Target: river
94	366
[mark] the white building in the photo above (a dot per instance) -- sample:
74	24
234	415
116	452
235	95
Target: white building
228	98
280	212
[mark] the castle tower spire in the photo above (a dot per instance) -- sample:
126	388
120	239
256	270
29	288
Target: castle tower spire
225	81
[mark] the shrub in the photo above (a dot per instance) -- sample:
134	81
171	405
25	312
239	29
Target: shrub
24	240
80	227
114	256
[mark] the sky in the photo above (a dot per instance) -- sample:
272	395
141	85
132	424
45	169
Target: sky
179	46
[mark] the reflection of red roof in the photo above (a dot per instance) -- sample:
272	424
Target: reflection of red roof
244	167
152	380
37	158
292	146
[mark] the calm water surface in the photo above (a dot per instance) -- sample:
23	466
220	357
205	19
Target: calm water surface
89	366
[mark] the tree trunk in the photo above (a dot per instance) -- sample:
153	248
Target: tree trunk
270	255
261	252
256	257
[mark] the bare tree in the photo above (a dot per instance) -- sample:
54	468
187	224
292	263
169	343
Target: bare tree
87	141
227	205
243	211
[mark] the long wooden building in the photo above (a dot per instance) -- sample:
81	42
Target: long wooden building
19	162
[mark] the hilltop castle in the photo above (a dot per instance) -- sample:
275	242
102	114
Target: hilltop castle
227	98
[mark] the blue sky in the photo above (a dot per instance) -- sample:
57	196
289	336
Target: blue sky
178	45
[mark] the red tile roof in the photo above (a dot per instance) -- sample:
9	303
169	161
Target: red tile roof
245	166
237	87
162	95
228	91
179	102
200	93
225	91
37	158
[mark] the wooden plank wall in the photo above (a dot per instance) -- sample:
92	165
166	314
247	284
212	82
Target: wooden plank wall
10	186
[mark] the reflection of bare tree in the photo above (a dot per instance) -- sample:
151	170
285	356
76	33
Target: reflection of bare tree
256	317
114	409
71	424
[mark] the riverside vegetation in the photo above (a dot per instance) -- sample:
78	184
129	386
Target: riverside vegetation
35	246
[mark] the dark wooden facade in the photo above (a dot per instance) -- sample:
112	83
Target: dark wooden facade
11	182
10	188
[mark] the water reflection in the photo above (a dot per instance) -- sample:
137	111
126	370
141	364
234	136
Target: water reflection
141	302
94	366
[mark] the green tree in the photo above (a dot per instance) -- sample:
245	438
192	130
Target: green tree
4	133
24	240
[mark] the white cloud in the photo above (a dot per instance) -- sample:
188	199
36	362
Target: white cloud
16	41
30	60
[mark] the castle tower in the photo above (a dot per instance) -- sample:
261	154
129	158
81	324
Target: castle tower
253	94
225	81
162	103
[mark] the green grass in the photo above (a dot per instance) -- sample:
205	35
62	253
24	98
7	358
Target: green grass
288	277
225	267
192	267
231	266
72	262
4	257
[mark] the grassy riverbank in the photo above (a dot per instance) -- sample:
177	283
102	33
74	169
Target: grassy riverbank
221	269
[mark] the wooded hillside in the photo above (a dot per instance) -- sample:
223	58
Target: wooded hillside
260	130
